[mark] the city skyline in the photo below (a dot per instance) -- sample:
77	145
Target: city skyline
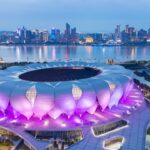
129	35
62	30
101	16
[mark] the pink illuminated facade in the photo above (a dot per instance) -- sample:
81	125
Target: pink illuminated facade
106	89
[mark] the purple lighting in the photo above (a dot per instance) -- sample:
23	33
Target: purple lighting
68	99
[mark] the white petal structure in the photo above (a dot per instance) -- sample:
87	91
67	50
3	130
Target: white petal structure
55	113
116	97
58	88
103	93
92	109
64	99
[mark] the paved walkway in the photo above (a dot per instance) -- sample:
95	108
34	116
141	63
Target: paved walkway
134	134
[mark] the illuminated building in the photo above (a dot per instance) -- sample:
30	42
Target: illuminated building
89	40
57	104
45	36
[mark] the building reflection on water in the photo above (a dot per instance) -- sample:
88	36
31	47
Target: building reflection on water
133	53
31	53
18	54
53	55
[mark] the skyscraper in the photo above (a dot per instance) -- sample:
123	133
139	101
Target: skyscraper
142	34
128	35
127	28
55	35
73	35
67	33
148	33
117	33
132	33
45	36
22	35
125	37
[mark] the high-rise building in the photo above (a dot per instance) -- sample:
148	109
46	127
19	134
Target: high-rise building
128	35
67	33
148	33
22	35
127	28
98	37
73	35
36	36
58	35
28	36
45	36
117	33
55	35
125	38
142	34
132	33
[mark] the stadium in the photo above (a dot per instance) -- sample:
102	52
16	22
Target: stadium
42	99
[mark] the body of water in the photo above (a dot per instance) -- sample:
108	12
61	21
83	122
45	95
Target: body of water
95	53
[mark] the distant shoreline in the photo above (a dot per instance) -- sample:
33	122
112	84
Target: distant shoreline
64	44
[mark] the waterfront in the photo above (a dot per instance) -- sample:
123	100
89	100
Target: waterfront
100	54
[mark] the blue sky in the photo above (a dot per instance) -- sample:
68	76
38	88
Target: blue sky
86	15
